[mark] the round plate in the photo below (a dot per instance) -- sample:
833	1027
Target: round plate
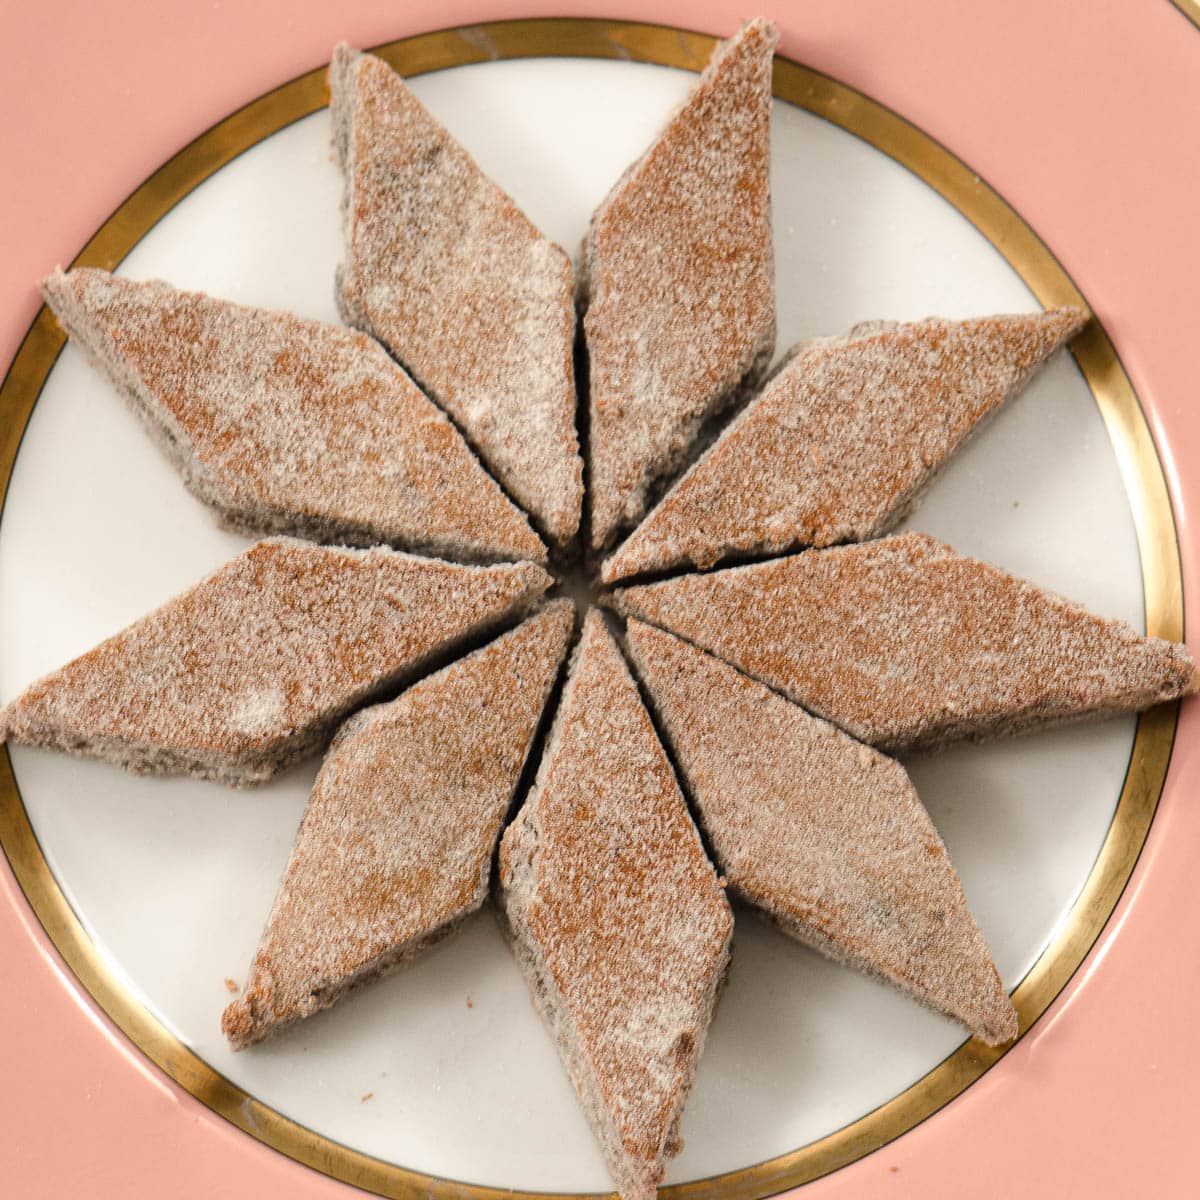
803	1053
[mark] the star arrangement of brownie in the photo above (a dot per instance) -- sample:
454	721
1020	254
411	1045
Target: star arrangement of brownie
778	682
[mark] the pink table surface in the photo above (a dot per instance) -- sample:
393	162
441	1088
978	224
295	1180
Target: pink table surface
1085	117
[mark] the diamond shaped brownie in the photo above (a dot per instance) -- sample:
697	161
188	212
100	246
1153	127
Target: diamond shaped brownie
395	847
844	440
285	425
453	278
903	643
823	834
616	916
250	670
679	283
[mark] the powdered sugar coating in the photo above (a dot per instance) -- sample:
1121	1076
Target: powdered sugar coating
396	843
452	277
844	439
250	669
679	282
618	916
290	425
902	642
824	834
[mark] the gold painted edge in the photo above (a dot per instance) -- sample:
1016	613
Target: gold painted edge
1097	359
1190	9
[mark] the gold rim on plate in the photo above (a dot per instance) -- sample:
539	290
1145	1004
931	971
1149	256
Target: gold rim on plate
1190	9
1140	469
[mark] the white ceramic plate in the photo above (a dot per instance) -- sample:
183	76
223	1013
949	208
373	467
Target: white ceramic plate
172	879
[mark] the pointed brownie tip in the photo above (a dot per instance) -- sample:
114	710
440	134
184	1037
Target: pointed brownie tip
1066	321
753	43
533	576
1193	681
238	1024
54	286
59	283
342	65
634	555
342	75
344	55
557	616
1001	1025
74	295
1030	338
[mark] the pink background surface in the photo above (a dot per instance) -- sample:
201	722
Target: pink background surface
1083	116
